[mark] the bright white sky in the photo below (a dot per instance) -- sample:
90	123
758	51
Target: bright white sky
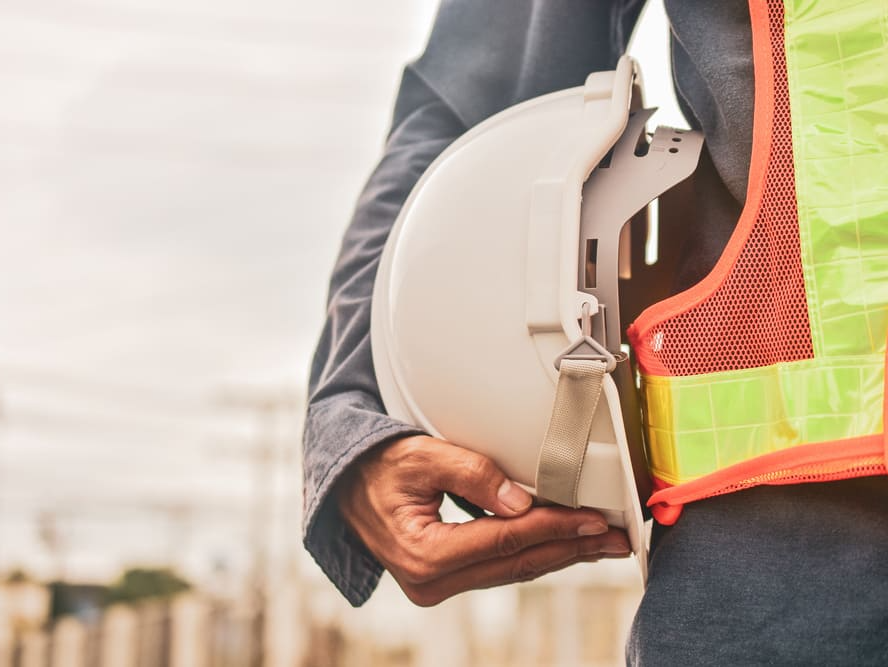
174	181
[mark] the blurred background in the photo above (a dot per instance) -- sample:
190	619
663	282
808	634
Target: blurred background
174	179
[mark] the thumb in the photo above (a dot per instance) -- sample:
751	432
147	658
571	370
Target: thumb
478	479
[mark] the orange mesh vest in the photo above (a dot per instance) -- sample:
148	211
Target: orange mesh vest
772	369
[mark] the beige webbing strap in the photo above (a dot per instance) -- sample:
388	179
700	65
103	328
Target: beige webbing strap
564	447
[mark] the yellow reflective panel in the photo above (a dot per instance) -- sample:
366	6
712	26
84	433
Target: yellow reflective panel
837	59
701	423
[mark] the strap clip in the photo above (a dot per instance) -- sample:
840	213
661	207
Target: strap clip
586	348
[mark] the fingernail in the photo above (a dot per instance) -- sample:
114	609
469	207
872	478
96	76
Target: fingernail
513	496
592	528
614	549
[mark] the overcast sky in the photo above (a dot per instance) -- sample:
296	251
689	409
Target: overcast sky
174	180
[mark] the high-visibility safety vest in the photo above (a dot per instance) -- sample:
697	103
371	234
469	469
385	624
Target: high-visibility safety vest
772	369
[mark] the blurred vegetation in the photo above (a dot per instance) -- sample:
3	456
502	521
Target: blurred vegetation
141	583
18	576
135	584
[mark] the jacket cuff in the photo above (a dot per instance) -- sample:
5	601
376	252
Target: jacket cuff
326	536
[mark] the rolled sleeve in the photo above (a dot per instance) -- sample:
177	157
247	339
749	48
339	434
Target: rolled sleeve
345	414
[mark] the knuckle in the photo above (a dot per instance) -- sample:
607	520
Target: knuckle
562	527
415	541
508	541
418	556
477	467
417	448
410	450
398	458
525	569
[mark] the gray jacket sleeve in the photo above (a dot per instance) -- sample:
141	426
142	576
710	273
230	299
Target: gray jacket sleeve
482	56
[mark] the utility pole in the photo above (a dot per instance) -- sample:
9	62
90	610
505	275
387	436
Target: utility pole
53	540
179	517
268	409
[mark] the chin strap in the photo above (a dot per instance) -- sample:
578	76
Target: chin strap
564	447
581	369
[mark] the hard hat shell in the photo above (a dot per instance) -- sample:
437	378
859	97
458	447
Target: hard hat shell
476	293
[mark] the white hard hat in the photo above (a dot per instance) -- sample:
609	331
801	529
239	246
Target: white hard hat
497	274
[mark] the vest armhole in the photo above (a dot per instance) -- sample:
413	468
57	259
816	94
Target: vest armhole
763	121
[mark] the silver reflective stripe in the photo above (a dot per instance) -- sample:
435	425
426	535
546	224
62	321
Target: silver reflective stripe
564	447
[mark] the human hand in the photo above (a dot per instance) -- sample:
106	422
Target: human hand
391	498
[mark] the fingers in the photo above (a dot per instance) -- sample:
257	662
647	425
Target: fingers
477	479
523	566
451	547
391	497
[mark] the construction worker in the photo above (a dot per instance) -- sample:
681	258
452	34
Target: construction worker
778	574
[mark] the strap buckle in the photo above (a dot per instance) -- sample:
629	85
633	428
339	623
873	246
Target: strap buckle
586	348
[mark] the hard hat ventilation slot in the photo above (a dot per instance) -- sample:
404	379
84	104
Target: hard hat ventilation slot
591	264
643	146
643	143
652	241
621	250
